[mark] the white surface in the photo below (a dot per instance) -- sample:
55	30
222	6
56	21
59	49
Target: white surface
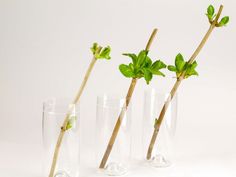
44	52
25	161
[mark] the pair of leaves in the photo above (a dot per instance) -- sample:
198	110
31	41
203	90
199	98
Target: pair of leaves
103	54
211	15
141	66
183	66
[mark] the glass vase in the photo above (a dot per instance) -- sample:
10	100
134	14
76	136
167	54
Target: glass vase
54	113
108	111
162	154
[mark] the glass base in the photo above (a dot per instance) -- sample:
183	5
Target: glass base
159	161
61	174
115	169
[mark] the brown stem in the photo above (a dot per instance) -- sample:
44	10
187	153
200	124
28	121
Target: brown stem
65	122
118	124
151	39
176	85
161	117
122	113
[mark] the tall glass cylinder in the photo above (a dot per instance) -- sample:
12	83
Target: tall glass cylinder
162	154
54	113
108	110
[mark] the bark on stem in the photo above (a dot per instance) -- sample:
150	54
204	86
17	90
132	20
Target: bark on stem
118	124
122	113
177	83
63	127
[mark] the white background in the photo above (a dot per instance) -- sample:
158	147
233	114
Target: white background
44	52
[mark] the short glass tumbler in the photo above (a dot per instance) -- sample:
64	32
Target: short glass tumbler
162	153
108	111
54	113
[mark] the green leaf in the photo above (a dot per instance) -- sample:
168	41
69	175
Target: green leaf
172	68
193	65
194	73
126	70
141	58
156	72
132	56
224	21
148	62
190	71
158	65
210	12
131	66
147	75
105	53
139	74
179	63
94	48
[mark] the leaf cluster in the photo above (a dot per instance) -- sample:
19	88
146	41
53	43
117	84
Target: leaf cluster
182	66
103	54
142	66
211	16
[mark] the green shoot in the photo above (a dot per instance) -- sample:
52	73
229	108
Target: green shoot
142	66
185	69
212	17
69	120
182	66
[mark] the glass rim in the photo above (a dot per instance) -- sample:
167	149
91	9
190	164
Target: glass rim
105	99
155	91
55	102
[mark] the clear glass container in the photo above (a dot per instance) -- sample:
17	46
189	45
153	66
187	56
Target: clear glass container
108	111
162	154
54	113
